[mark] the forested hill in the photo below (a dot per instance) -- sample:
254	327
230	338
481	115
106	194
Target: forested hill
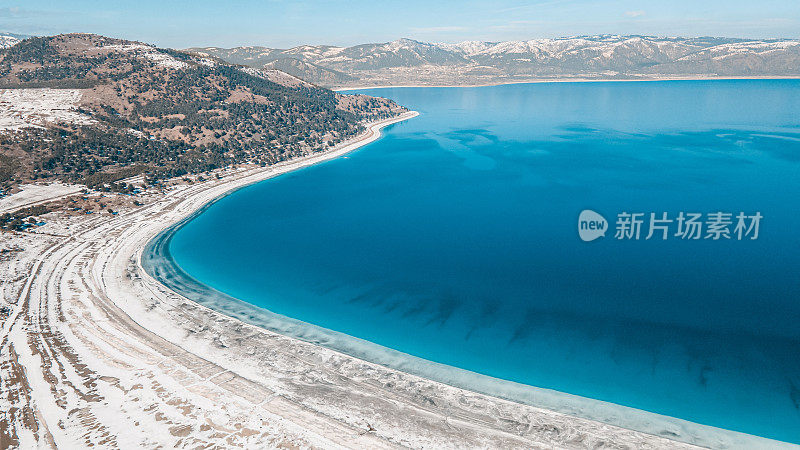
87	108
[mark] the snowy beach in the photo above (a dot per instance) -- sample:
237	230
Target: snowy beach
97	352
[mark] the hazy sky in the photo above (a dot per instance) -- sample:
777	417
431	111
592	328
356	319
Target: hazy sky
286	23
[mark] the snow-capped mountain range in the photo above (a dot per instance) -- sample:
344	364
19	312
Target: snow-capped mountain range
406	61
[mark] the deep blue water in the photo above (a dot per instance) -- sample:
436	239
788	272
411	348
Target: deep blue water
454	238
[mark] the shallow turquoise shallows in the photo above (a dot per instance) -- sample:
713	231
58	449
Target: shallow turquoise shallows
455	238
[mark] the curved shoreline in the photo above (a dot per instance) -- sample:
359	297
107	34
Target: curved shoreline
97	352
155	260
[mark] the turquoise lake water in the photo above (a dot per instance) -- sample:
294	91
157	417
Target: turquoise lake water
454	238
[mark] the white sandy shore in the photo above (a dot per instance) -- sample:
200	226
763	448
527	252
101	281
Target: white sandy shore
564	80
96	352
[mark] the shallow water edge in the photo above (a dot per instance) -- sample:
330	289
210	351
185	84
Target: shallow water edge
158	263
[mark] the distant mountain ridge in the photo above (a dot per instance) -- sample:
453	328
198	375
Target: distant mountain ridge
406	61
9	39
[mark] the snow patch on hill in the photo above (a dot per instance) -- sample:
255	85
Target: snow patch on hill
153	54
7	41
25	108
276	76
165	61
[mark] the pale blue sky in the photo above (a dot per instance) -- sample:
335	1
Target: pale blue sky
285	23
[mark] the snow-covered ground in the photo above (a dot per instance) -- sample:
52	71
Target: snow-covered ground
276	76
165	60
153	54
7	41
34	194
23	108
